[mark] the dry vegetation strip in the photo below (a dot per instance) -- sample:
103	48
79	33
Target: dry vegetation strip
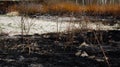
62	8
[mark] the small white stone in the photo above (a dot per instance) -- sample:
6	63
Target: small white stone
78	53
84	54
83	44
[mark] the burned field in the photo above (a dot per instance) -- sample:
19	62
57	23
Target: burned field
60	33
81	49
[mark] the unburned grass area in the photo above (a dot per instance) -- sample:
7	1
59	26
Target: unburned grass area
66	8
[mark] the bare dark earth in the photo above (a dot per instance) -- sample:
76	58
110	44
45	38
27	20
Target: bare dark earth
60	49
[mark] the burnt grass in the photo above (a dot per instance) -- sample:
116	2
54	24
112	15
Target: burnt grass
59	49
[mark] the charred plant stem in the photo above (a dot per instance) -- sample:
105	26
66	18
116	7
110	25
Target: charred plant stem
106	59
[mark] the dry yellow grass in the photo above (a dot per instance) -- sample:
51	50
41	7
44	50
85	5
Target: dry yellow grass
65	7
103	9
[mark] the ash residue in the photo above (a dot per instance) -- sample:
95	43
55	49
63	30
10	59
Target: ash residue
60	50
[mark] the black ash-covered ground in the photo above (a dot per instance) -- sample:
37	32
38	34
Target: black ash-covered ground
60	50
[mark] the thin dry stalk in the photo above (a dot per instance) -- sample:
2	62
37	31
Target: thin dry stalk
103	51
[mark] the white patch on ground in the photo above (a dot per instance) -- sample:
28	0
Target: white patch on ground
15	13
80	53
12	25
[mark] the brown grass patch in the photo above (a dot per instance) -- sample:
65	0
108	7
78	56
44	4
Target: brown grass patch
103	9
66	8
26	9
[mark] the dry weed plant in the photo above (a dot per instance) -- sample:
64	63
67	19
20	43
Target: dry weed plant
25	24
